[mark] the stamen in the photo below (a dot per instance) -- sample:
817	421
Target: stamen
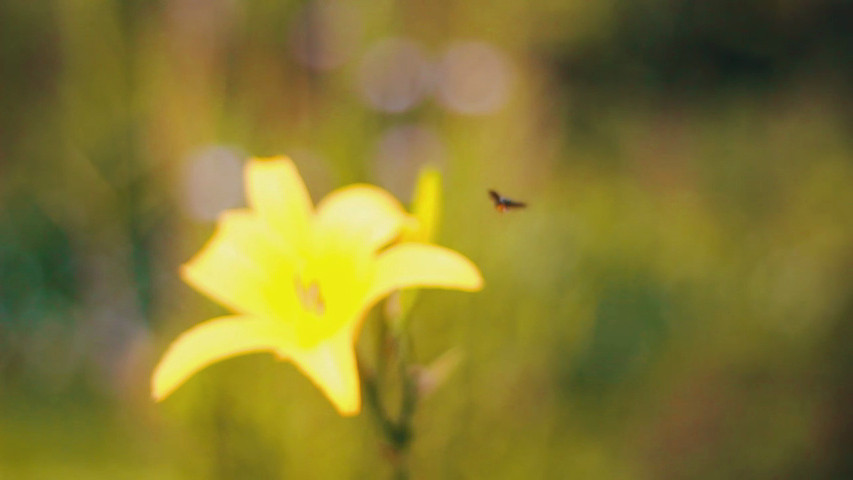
311	297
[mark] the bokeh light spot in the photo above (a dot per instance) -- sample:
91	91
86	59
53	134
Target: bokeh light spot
212	182
395	75
401	152
473	78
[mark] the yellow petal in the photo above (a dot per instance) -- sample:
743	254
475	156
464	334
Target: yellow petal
278	194
363	216
426	206
245	268
409	265
331	365
210	342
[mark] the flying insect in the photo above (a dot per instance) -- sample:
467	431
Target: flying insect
503	204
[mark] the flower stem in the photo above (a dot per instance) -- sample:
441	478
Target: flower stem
397	430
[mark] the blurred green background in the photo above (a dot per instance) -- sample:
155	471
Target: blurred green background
676	303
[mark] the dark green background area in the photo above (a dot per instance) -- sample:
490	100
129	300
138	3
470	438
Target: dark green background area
675	303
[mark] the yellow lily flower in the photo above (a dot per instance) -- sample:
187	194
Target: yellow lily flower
300	281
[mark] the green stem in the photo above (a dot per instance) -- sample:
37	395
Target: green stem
397	432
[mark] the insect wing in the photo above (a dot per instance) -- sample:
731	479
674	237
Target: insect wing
495	197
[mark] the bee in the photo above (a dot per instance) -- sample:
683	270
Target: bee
503	204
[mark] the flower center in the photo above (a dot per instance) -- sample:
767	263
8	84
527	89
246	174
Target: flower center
310	296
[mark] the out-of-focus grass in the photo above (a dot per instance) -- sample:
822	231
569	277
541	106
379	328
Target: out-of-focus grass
673	303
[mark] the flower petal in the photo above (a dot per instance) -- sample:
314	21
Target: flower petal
331	365
278	194
210	342
426	206
244	267
409	265
363	216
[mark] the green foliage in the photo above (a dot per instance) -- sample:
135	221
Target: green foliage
674	303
